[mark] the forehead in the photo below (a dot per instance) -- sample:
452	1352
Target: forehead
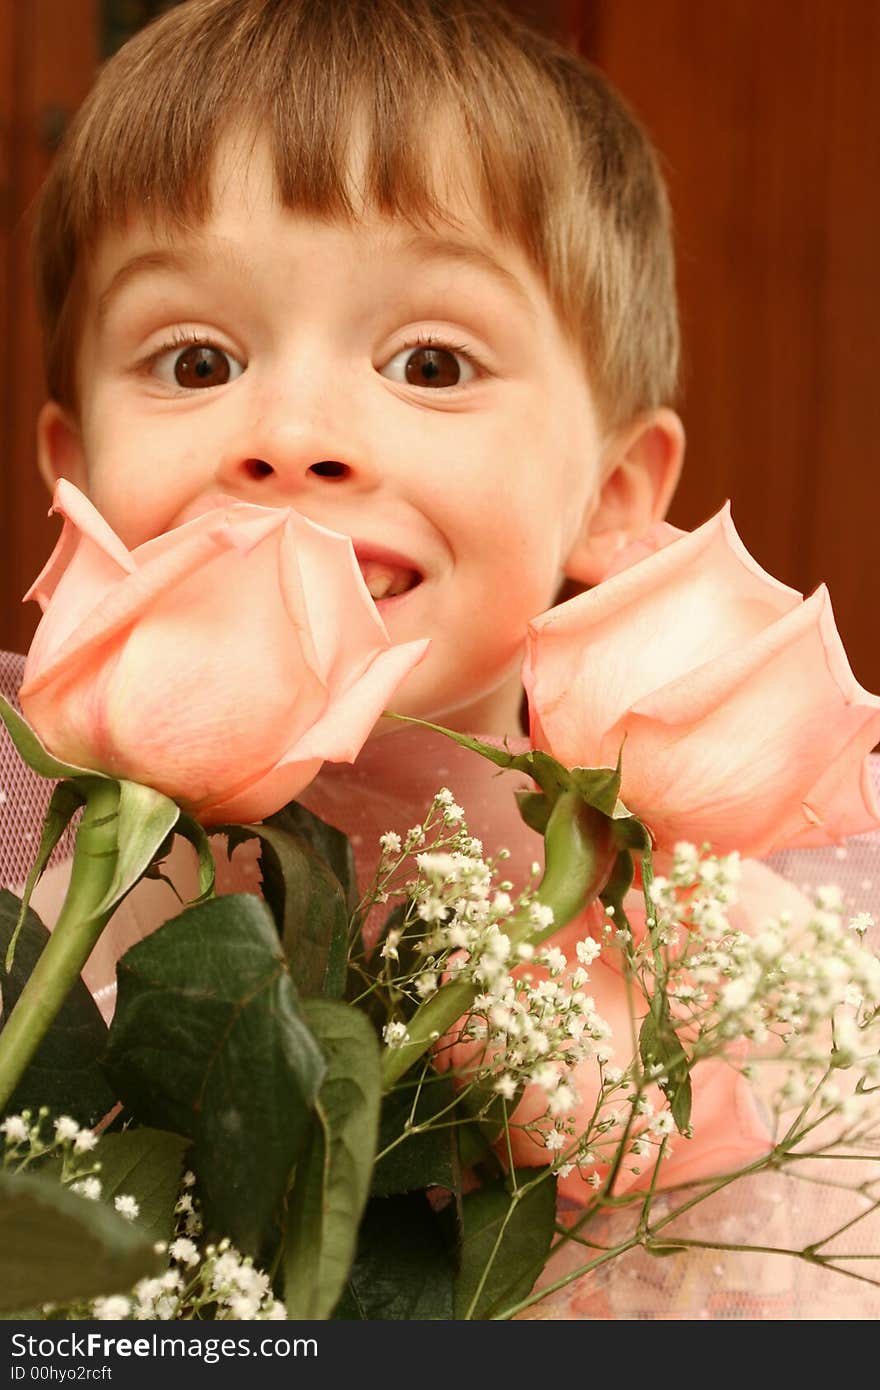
456	231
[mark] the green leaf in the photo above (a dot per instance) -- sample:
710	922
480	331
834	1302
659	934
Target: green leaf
429	1156
681	1101
64	1073
56	1246
65	802
659	1045
506	1244
331	844
333	1176
404	1269
145	818
309	904
146	1164
209	1041
32	751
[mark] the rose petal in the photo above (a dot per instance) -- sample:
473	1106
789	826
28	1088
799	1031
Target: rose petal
220	662
592	658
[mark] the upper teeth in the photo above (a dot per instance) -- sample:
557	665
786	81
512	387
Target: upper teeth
385	583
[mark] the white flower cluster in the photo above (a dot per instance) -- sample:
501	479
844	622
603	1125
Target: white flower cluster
462	909
455	910
29	1140
528	1026
189	1217
218	1283
779	987
535	1030
442	829
220	1279
696	895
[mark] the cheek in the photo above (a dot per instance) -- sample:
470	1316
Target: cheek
514	525
135	488
475	482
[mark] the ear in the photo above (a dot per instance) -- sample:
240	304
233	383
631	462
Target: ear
60	451
641	464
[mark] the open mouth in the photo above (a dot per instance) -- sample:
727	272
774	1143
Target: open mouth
387	580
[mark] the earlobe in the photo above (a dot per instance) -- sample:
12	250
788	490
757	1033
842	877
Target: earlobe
640	469
60	451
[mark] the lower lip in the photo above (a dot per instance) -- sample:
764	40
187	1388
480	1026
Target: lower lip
391	604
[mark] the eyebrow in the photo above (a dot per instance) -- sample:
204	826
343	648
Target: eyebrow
425	244
441	248
149	261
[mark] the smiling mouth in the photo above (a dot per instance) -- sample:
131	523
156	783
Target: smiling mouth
386	581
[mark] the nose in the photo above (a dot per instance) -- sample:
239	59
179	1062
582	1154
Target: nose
298	441
256	470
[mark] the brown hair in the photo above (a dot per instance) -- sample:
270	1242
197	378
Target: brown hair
564	169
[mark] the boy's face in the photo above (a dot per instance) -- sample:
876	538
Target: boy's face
412	390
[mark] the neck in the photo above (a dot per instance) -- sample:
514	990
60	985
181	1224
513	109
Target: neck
393	782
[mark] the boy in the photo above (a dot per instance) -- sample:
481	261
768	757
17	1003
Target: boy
403	266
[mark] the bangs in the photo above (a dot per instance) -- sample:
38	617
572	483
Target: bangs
371	93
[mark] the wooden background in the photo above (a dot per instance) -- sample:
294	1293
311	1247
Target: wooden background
767	114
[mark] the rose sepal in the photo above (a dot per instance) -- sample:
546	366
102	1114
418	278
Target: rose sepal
145	820
597	787
146	817
64	803
34	752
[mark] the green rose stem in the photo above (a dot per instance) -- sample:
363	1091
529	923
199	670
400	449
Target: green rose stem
579	855
70	944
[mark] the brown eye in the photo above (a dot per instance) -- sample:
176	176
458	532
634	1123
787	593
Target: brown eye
431	366
201	365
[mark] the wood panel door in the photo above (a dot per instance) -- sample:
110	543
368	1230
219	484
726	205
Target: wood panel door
48	58
767	116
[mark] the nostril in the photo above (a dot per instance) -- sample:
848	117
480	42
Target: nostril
329	468
258	468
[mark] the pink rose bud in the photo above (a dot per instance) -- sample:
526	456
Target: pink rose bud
740	718
220	663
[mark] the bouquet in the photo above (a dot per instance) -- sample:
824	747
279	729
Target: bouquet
433	1079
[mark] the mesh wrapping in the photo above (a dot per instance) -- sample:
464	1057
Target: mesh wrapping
770	1210
23	795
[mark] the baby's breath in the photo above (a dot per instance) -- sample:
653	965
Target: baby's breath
777	987
215	1282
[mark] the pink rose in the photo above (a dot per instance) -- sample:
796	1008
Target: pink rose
740	719
220	663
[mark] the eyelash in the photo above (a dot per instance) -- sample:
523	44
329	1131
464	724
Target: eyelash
179	338
183	338
430	340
